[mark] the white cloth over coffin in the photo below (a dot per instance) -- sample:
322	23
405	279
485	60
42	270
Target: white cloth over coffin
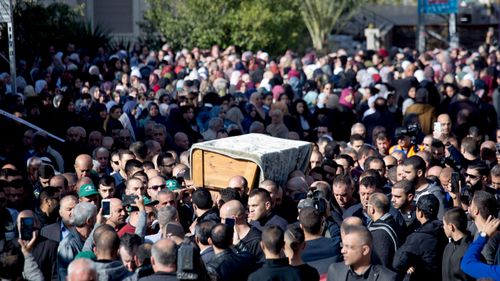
275	157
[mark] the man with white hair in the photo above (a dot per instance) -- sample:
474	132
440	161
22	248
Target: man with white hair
166	215
82	270
83	220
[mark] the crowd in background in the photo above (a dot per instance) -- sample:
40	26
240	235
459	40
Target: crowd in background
403	180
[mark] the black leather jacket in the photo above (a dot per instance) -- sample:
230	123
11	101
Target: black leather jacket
229	265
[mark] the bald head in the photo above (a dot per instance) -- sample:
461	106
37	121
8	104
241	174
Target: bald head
155	184
151	173
180	168
164	255
107	244
239	183
82	270
434	171
232	208
274	191
83	165
60	182
81	181
379	202
445	121
181	140
390	161
350	221
296	185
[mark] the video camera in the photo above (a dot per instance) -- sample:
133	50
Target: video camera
314	199
411	130
186	260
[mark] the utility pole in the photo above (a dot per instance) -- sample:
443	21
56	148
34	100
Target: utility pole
452	25
421	27
6	16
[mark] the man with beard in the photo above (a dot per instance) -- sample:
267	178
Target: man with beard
476	178
483	205
58	230
413	170
117	214
46	213
402	195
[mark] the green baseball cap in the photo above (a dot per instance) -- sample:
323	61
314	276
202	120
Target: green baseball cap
87	190
86	255
173	185
148	201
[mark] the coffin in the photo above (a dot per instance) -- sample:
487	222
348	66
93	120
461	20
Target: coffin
257	157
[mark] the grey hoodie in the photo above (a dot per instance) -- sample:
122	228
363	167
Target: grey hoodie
111	270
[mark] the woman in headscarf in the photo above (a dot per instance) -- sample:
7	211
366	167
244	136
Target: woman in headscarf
153	115
250	115
345	116
301	113
256	101
235	116
128	118
426	112
188	113
112	121
277	128
98	115
66	113
290	121
177	123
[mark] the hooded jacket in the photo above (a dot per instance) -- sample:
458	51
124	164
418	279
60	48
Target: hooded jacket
111	270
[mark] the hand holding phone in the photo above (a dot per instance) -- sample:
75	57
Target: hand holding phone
106	209
455	182
27	226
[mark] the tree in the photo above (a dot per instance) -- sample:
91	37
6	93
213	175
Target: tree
37	27
321	17
251	24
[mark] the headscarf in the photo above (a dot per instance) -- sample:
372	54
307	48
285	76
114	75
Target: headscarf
129	106
346	92
40	86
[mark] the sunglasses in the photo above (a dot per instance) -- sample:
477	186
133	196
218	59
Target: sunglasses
157	187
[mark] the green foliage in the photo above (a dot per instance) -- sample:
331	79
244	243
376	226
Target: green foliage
37	27
251	24
322	16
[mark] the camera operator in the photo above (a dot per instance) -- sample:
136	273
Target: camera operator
406	141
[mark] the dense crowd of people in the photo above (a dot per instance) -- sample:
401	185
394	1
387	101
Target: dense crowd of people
403	181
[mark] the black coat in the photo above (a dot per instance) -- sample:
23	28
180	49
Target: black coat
228	266
52	231
340	271
276	270
422	250
160	276
452	257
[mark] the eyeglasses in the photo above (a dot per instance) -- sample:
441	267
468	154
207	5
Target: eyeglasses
168	165
116	162
157	187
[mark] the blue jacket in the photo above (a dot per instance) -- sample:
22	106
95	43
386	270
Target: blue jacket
472	265
68	248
